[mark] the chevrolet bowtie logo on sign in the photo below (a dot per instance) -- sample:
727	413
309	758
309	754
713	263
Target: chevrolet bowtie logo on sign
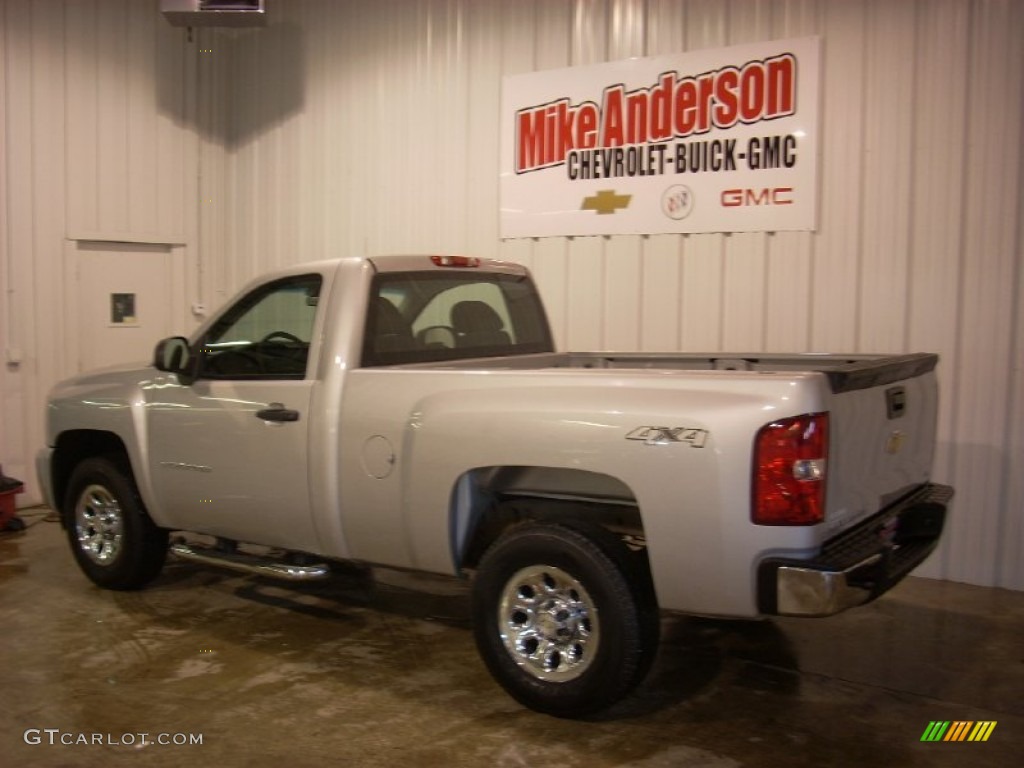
605	202
958	730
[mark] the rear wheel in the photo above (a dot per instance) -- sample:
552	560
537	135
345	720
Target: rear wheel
565	618
114	541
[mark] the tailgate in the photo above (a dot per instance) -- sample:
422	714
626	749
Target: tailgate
883	431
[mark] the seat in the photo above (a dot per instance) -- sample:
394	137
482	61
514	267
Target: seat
476	324
388	335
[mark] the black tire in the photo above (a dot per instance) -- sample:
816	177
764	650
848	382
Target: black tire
114	541
564	617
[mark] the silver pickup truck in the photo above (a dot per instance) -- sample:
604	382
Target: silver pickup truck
412	412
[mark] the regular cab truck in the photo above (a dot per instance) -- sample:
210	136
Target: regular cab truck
412	413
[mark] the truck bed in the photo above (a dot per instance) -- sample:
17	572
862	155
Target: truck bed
844	372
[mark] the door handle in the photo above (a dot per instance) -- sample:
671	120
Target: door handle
277	412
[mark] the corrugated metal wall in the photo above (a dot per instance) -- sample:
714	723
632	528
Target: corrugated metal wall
97	144
351	127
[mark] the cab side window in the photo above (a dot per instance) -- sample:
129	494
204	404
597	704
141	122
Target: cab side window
420	317
266	335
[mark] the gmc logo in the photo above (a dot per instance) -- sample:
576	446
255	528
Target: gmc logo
734	198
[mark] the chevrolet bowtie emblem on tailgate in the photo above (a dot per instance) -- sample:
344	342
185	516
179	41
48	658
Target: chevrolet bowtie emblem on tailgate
895	442
605	201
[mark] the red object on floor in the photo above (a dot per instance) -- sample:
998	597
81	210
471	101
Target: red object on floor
9	488
7	506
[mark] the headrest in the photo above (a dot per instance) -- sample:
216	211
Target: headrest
387	318
476	317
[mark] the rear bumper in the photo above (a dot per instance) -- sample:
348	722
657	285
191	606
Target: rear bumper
860	564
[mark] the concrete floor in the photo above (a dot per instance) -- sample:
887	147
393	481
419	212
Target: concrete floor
383	672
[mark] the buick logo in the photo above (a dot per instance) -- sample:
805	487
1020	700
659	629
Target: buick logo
677	201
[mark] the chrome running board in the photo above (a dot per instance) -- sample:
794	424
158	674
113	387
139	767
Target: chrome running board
253	564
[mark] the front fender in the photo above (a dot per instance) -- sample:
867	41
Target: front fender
95	414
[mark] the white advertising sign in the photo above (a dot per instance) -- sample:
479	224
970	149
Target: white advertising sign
723	140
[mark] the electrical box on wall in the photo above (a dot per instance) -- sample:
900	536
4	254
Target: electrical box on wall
214	13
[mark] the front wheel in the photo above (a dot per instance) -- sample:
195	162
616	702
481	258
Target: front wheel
114	541
564	618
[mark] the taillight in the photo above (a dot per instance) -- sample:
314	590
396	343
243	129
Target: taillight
790	457
455	261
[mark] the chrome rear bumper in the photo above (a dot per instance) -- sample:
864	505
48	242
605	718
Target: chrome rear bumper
860	564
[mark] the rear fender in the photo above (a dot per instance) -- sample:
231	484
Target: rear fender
487	500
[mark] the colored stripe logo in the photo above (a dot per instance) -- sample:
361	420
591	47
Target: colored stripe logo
958	730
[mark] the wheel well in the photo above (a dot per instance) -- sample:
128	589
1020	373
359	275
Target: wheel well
72	448
489	500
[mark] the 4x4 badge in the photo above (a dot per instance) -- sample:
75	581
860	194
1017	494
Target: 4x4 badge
668	435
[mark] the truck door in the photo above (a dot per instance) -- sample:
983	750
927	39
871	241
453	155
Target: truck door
229	452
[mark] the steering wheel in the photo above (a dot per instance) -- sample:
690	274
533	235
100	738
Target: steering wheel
235	362
437	336
280	335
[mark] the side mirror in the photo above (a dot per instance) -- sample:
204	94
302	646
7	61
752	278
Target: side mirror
173	355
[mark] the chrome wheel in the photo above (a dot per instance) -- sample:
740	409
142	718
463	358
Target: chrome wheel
548	623
99	524
566	618
114	541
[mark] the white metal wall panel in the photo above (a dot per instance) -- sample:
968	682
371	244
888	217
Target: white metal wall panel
1010	519
937	247
659	291
96	146
124	99
835	314
373	127
990	257
889	58
34	158
11	447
